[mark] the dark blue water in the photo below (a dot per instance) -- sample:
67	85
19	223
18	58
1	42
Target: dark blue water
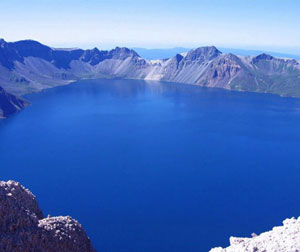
157	167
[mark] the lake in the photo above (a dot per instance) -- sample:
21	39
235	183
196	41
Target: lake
151	166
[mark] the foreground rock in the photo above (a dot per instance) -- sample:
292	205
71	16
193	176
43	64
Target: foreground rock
10	104
23	228
284	238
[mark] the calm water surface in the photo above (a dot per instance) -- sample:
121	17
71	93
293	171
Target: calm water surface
148	166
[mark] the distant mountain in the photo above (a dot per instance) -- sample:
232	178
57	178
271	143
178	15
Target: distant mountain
243	52
29	66
151	54
9	103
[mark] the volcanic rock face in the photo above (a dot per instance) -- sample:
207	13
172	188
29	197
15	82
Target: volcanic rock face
29	66
9	103
23	228
284	238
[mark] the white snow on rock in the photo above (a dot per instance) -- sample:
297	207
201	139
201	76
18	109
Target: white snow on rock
284	238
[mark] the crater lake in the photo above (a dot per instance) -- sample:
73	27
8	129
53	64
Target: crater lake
152	166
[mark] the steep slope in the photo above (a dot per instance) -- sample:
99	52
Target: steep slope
279	76
208	67
9	103
28	66
284	238
23	227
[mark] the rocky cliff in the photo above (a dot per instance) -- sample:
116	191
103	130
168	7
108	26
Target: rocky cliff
9	103
23	227
284	238
28	66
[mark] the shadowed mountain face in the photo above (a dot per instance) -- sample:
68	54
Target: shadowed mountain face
9	103
28	66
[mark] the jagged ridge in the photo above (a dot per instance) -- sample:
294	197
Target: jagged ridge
28	66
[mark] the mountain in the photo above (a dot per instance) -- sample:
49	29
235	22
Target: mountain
245	52
208	67
9	103
152	54
29	66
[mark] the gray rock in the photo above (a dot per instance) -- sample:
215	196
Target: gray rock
285	238
23	227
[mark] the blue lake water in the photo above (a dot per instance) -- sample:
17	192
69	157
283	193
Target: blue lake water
149	166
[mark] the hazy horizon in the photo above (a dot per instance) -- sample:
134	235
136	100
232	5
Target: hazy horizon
270	25
251	50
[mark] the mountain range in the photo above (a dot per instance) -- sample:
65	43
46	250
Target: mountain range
163	53
29	66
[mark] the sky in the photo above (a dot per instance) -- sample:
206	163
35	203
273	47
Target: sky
247	24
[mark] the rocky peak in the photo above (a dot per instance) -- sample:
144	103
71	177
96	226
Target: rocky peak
292	62
232	56
262	56
2	42
31	44
93	56
122	53
95	50
178	57
203	53
26	48
228	60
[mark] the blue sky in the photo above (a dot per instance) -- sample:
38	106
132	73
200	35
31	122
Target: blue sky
250	24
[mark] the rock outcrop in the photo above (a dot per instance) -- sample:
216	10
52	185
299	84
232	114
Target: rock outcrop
29	66
284	238
23	227
9	103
